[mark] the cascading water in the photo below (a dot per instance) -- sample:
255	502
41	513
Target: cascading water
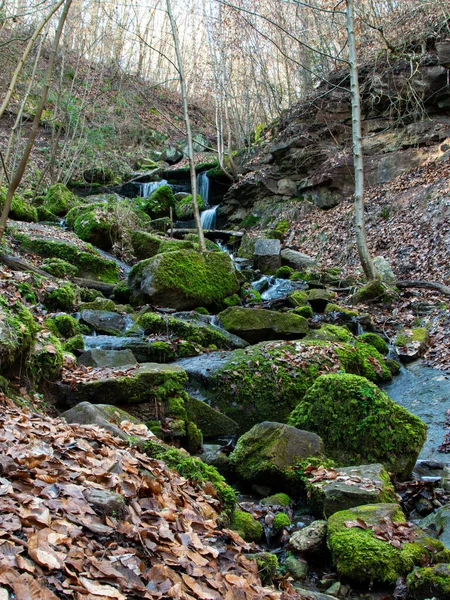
208	218
145	189
203	186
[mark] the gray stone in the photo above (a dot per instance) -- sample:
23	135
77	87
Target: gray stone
106	358
267	255
171	155
103	415
211	422
310	539
438	522
104	321
411	344
314	595
384	270
287	187
296	260
105	502
298	569
353	486
318	299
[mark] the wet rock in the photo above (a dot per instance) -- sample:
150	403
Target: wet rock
106	502
296	260
266	453
211	422
437	525
411	343
310	540
267	255
106	358
103	415
297	569
104	321
257	324
353	486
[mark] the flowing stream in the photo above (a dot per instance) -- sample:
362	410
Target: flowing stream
208	218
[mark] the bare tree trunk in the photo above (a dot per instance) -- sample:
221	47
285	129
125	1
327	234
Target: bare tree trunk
360	226
17	177
201	239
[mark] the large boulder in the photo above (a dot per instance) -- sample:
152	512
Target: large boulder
184	279
438	524
267	255
430	582
359	423
267	380
171	155
267	453
348	487
257	324
145	245
373	544
212	423
98	357
17	332
105	321
296	260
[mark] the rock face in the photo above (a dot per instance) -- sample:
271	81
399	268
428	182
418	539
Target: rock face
353	486
267	255
257	324
367	427
106	358
296	260
265	453
184	279
107	322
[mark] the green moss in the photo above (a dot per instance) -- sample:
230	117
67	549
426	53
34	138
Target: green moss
393	366
284	272
89	295
276	500
374	290
194	469
59	268
184	209
201	310
210	245
194	438
250	221
254	323
330	307
360	424
27	292
17	332
63	326
248	528
298	298
46	215
267	564
62	298
430	582
98	226
376	341
332	333
281	521
47	358
89	264
74	343
122	293
198	278
159	201
146	245
59	199
282	226
233	300
249	295
99	304
304	311
21	210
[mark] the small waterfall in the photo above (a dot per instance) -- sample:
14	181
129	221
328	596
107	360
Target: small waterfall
208	218
145	189
203	186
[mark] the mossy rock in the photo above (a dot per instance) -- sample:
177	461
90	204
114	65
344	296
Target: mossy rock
267	565
230	301
20	210
246	526
88	262
98	304
45	215
360	424
59	268
46	359
284	272
269	451
99	175
280	499
430	582
298	298
62	298
318	299
211	422
375	290
199	333
146	245
184	208
257	324
359	555
267	381
63	326
185	279
304	311
97	226
74	343
59	200
122	293
411	344
17	332
376	341
210	245
281	521
159	201
335	308
193	468
331	333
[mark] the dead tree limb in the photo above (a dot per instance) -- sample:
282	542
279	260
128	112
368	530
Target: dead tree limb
444	289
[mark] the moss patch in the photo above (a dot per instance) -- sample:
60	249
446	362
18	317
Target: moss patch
184	209
17	332
146	245
62	298
248	528
376	341
430	582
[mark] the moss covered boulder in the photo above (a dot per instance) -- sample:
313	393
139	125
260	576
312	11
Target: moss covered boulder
145	245
46	358
376	341
184	279
360	554
59	200
267	453
266	381
184	208
17	332
96	225
430	582
159	202
212	423
374	291
246	526
319	298
88	262
359	423
257	324
411	343
21	209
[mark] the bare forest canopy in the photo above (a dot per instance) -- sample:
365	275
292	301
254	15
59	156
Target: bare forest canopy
116	82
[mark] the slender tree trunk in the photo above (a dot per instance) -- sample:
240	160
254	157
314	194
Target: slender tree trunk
17	177
201	239
361	238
